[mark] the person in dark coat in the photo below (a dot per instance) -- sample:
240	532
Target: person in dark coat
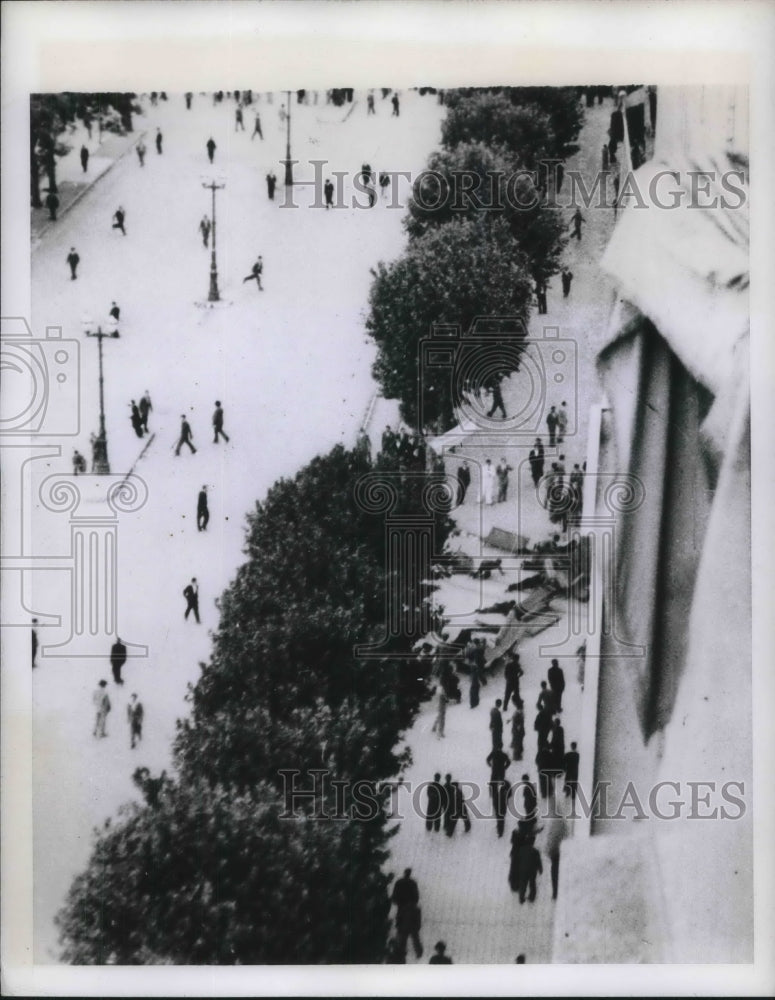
118	219
577	220
257	132
239	124
473	690
328	191
34	642
186	434
541	297
52	204
496	725
84	158
188	95
498	762
463	481
497	398
566	278
202	510
551	424
512	672
158	141
255	273
529	817
388	440
145	407
406	897
117	659
536	459
137	423
435	808
517	733
439	957
556	679
140	150
191	594
210	149
571	768
271	183
547	772
115	313
394	102
546	699
134	714
529	867
557	744
218	423
543	726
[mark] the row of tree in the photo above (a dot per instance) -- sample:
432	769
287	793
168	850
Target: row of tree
216	864
53	115
482	230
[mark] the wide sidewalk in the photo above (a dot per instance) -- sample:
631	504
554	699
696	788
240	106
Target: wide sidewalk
465	896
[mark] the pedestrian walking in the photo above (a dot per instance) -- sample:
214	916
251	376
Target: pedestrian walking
551	423
118	219
605	159
517	733
441	711
145	407
159	140
257	130
79	463
191	594
547	771
502	471
115	314
439	956
34	637
202	510
473	690
498	761
546	699
555	831
117	659
101	703
218	423
543	726
271	183
210	149
571	768
204	228
136	419
134	714
488	483
255	273
497	398
188	95
566	278
394	102
463	481
577	488
186	434
556	679
384	182
496	725
73	260
140	150
370	104
52	204
577	220
536	459
435	809
529	867
328	191
511	673
239	124
541	297
406	898
84	158
557	744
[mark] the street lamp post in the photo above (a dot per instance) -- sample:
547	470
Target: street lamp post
100	463
288	166
213	295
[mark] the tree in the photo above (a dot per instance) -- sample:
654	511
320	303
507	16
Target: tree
209	876
472	178
215	867
493	119
450	274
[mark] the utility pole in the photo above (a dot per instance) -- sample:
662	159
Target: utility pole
213	295
100	463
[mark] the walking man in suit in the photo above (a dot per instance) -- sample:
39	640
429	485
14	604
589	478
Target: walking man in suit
185	436
191	594
202	510
218	423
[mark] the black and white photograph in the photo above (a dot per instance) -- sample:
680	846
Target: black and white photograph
386	489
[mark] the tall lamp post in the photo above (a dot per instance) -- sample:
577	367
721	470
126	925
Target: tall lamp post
100	463
213	295
288	166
